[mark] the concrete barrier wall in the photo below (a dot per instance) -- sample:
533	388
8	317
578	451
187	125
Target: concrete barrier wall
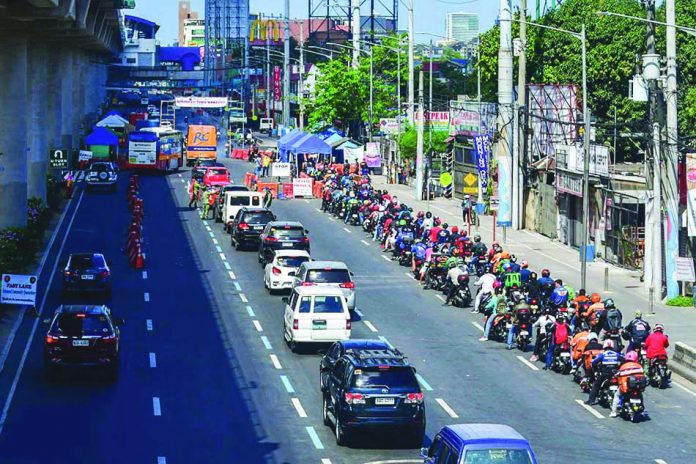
684	361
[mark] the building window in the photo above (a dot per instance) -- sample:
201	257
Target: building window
131	60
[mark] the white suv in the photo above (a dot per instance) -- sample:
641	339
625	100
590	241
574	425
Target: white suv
327	274
101	174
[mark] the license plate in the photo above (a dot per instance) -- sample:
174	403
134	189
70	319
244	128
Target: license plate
565	355
319	325
635	401
384	401
87	277
287	244
258	227
80	343
524	333
613	388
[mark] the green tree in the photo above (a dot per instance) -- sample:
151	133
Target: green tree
408	142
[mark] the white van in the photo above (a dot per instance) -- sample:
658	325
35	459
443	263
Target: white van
236	200
266	125
316	315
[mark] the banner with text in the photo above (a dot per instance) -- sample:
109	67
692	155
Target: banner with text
18	289
691	192
372	155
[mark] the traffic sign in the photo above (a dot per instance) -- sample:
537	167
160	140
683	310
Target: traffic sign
59	158
445	179
470	184
18	289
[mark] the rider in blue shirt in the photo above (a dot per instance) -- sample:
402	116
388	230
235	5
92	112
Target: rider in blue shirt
559	296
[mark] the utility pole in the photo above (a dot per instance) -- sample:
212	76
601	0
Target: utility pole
505	102
419	143
286	67
371	96
411	72
356	33
671	157
430	98
586	163
518	154
300	91
269	102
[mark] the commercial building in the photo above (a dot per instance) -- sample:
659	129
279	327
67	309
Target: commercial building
185	13
194	33
461	27
140	45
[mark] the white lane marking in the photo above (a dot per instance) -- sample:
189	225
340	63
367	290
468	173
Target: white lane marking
211	233
590	409
440	297
146	296
660	461
243	298
422	381
148	324
215	242
257	324
398	461
227	265
23	360
144	256
298	407
218	248
266	343
385	258
207	227
364	243
370	326
223	257
347	230
315	438
447	408
183	181
144	275
527	363
384	339
156	408
276	362
287	384
326	461
179	175
306	201
237	286
689	391
153	360
477	325
232	276
409	275
318	209
250	311
359	313
161	460
331	219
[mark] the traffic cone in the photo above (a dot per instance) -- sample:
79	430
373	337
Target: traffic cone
139	260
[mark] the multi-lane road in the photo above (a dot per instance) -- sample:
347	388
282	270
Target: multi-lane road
207	377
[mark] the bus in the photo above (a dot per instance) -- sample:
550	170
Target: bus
201	143
158	148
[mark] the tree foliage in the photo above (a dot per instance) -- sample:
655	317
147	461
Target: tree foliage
408	142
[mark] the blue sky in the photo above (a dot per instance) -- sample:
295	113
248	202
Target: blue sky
429	14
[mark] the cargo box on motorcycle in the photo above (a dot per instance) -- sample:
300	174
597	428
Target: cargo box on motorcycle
634	383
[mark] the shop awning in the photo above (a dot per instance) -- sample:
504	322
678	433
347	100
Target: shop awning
101	136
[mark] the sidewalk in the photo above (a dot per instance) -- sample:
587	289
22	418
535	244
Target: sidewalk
542	252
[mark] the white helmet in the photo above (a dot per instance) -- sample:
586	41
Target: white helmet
592	336
608	344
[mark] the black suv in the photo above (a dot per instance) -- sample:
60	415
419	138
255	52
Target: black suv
248	225
282	235
367	384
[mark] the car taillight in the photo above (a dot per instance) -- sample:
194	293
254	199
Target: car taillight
414	398
295	324
109	339
67	273
271	239
304	239
276	271
243	225
104	274
349	324
354	398
51	340
307	284
350	285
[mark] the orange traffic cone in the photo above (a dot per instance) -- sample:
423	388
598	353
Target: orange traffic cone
139	260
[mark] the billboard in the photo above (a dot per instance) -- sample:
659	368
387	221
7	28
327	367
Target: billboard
472	118
144	153
552	110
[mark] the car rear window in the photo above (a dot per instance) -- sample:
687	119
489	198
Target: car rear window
292	261
327	304
328	276
80	324
240	200
86	261
217	172
497	456
394	377
287	232
258	218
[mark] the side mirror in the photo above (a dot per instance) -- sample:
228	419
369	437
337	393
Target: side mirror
118	321
285	300
306	231
352	274
424	453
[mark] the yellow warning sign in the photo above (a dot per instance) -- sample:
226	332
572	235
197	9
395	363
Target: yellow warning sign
470	184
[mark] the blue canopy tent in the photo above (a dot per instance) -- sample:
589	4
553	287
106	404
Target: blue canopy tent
286	142
100	141
311	145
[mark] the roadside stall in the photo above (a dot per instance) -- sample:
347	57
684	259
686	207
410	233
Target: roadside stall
103	144
286	142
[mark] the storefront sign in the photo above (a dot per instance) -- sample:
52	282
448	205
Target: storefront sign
85	155
471	118
18	289
438	121
280	170
276	83
389	125
569	183
302	186
691	193
685	269
573	158
482	146
372	155
201	102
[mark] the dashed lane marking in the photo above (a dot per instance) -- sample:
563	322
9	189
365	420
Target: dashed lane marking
232	276
318	209
359	313
179	175
287	384
148	324
347	230
153	360
440	297
527	363
215	242
590	409
409	275
237	286
227	265
385	258
146	296
218	248
250	311
144	275
422	381
450	412
243	298
306	201
477	325
331	219
266	343
314	437
223	257
156	408
276	362
384	339
211	233
257	325
370	326
298	407
364	243
326	461
660	461
161	460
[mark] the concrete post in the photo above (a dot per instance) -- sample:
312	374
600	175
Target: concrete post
38	131
54	100
66	105
13	133
505	115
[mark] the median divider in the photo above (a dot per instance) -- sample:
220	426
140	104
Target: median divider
684	361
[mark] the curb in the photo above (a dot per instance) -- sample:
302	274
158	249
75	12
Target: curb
685	372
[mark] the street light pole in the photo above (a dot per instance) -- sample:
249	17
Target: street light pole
286	68
411	72
586	164
371	98
419	144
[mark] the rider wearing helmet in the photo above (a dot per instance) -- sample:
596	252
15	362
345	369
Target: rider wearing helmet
604	365
637	331
443	234
479	248
453	274
656	344
524	272
559	296
630	368
611	318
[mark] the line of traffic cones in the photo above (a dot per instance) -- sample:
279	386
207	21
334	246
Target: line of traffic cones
134	248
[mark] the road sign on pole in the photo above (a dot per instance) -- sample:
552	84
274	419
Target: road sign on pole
59	158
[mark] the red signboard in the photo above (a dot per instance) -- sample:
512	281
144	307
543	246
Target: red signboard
276	83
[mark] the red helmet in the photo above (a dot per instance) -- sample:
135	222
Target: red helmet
455	229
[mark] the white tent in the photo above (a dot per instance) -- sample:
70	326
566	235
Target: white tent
113	121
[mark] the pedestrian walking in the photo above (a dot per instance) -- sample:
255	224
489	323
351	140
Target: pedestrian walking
267	198
69	184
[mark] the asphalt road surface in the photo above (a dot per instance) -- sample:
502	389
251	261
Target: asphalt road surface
206	376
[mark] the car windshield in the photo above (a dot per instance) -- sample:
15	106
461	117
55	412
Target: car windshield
287	232
328	304
497	456
80	324
86	261
292	261
393	377
258	218
328	276
217	172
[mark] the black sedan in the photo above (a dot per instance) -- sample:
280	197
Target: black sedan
87	272
282	235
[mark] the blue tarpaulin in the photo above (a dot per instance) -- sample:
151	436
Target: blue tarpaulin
310	144
286	141
101	136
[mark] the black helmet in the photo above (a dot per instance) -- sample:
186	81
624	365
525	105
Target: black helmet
581	292
609	304
513	258
477	238
445	225
428	214
545	273
533	276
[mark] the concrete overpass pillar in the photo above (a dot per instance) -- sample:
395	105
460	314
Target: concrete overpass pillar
77	92
54	115
39	127
66	92
13	133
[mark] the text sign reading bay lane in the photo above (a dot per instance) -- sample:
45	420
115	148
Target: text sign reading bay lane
58	158
18	289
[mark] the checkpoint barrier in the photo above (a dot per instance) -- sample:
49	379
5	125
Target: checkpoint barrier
317	189
248	178
684	361
273	186
133	248
240	153
287	191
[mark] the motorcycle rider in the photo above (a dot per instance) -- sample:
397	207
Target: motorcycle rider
531	288
636	331
591	351
590	314
610	319
559	337
577	347
656	344
546	284
604	365
559	295
486	282
352	206
479	247
418	254
543	325
495	306
456	269
630	368
520	308
443	234
524	272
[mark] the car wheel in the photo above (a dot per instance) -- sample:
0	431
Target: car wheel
325	410
342	436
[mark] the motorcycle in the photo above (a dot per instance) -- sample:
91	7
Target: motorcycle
561	362
615	336
658	372
462	297
632	405
354	219
524	325
607	390
501	326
